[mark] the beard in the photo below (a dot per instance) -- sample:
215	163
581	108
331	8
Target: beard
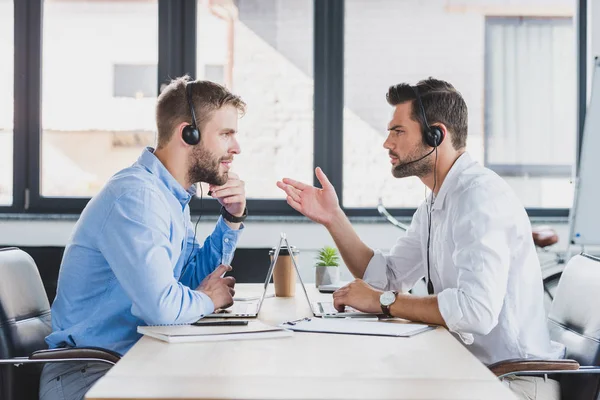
204	167
406	168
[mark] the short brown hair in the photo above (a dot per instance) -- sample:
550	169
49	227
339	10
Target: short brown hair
172	106
442	103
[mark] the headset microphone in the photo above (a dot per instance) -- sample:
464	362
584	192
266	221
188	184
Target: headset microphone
418	159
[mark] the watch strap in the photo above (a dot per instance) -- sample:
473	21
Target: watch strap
232	218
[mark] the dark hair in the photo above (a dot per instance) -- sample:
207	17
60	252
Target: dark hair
172	106
442	103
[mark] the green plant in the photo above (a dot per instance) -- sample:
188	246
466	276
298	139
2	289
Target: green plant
328	257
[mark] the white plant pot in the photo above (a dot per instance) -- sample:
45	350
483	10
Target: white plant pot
326	275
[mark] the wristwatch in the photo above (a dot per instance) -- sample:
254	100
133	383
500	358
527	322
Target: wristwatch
386	300
232	218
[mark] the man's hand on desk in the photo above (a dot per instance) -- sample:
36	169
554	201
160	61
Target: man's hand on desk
363	297
220	289
359	295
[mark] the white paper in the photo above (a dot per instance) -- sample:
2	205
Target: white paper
354	327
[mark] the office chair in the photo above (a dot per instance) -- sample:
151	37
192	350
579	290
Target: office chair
24	324
544	236
573	320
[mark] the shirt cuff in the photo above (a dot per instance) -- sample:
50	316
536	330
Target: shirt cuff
452	314
227	238
209	306
376	274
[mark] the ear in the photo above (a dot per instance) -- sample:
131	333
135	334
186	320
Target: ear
444	130
178	134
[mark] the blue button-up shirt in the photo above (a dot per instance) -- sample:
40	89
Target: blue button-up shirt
126	263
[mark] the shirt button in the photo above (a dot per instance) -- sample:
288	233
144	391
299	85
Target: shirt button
226	240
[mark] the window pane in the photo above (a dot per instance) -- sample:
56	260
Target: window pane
99	91
6	101
508	62
528	78
263	51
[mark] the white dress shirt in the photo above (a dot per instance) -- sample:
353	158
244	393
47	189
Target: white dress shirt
484	267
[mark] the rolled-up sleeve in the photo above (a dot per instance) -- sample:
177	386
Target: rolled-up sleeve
403	266
134	240
218	248
481	233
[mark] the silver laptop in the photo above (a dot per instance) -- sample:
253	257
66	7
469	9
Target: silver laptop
325	309
249	308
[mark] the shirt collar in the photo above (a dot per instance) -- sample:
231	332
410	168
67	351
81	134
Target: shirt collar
461	164
153	165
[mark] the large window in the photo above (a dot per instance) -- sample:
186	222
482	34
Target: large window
263	51
314	74
6	101
526	65
529	106
99	91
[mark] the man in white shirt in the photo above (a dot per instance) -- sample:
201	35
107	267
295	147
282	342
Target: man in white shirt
471	239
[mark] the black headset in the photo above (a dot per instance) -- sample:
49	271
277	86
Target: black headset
433	136
190	133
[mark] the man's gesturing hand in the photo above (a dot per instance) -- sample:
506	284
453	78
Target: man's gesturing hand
219	289
320	205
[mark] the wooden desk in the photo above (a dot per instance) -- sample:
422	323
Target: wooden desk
432	365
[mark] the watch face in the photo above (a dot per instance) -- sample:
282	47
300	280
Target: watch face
387	298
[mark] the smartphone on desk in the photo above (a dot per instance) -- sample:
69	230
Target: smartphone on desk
220	323
331	287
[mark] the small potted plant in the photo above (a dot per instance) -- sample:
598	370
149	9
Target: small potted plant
326	269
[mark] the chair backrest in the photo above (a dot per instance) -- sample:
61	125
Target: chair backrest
24	322
574	320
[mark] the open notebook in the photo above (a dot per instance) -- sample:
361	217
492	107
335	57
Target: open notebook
191	333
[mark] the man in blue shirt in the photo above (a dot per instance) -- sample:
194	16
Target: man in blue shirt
133	258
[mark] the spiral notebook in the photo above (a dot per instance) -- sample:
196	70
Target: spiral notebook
191	333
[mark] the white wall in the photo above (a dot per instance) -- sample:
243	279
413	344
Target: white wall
307	236
304	235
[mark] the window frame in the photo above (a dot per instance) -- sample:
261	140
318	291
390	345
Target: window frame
177	43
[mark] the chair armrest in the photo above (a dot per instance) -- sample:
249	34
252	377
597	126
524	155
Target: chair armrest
524	365
544	236
77	353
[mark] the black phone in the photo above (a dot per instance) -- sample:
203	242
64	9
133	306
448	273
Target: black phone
327	290
220	323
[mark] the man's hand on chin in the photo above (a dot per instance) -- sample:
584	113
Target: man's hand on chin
232	196
359	295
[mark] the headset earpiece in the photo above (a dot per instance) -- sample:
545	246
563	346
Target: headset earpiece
190	133
434	136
